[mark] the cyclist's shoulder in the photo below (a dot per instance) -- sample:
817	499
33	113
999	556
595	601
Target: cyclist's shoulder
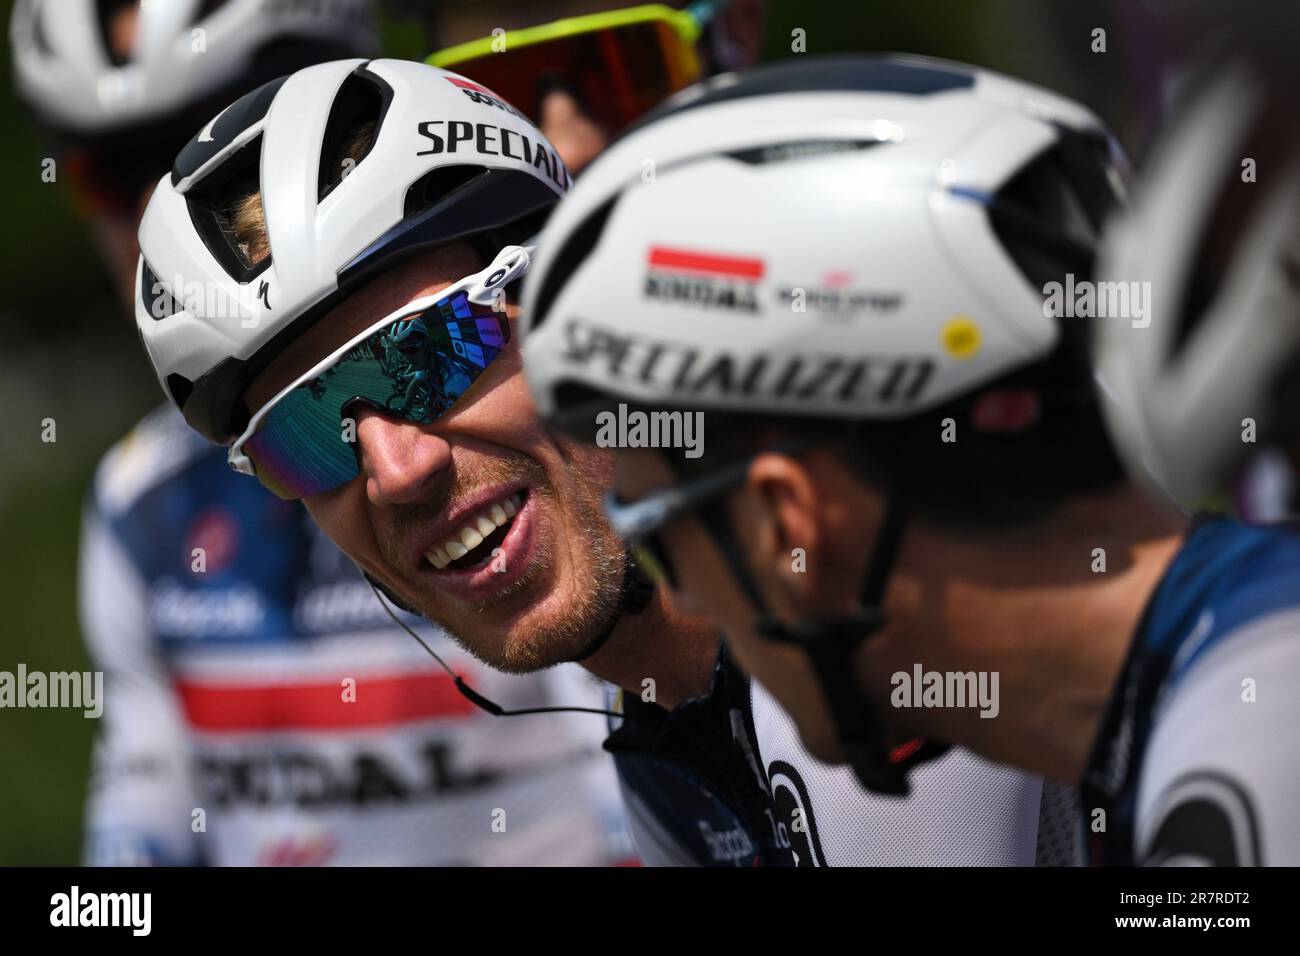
1222	636
1227	577
1217	781
155	457
691	780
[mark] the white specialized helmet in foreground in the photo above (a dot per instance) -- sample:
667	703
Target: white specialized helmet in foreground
862	237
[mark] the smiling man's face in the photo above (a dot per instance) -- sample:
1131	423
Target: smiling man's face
481	520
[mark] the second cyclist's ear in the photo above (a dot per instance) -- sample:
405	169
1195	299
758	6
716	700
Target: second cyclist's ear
781	529
808	529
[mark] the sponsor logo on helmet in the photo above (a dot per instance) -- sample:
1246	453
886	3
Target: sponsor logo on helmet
485	139
793	377
961	337
834	300
706	279
482	95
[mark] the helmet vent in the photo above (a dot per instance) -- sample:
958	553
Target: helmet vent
158	302
352	128
207	8
1049	215
436	185
216	204
107	11
179	388
801	149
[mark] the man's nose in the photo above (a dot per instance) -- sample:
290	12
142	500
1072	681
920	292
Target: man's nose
400	460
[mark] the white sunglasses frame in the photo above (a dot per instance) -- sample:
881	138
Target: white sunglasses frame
483	288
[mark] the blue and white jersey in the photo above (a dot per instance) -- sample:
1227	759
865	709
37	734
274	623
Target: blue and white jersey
1197	759
695	792
724	780
261	708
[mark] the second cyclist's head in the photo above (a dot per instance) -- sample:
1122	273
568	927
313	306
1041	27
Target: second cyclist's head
842	270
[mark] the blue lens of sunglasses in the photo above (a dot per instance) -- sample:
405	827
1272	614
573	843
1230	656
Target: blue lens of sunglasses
414	368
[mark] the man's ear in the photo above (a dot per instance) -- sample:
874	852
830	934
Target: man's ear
784	524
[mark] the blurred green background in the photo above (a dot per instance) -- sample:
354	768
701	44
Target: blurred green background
66	353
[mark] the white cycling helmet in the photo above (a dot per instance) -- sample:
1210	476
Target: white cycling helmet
186	52
442	166
849	236
1215	231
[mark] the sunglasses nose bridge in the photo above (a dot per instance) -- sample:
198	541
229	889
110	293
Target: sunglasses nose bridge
399	459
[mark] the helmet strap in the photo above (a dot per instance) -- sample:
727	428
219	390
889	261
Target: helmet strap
388	592
831	644
633	596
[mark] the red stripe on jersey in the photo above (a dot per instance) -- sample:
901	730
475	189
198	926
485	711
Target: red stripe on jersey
379	701
706	262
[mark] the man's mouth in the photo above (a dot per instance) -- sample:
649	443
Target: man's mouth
472	544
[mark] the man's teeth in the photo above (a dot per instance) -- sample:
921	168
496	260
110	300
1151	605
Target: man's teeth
471	534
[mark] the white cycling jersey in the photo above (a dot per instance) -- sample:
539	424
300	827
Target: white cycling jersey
962	811
261	708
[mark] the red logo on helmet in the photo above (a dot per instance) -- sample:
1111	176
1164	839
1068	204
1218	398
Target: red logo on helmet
706	263
707	280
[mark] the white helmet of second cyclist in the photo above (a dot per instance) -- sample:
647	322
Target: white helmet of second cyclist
849	236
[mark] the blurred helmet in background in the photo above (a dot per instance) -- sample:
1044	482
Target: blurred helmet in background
122	84
1214	375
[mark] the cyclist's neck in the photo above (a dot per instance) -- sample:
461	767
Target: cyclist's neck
661	645
1043	615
